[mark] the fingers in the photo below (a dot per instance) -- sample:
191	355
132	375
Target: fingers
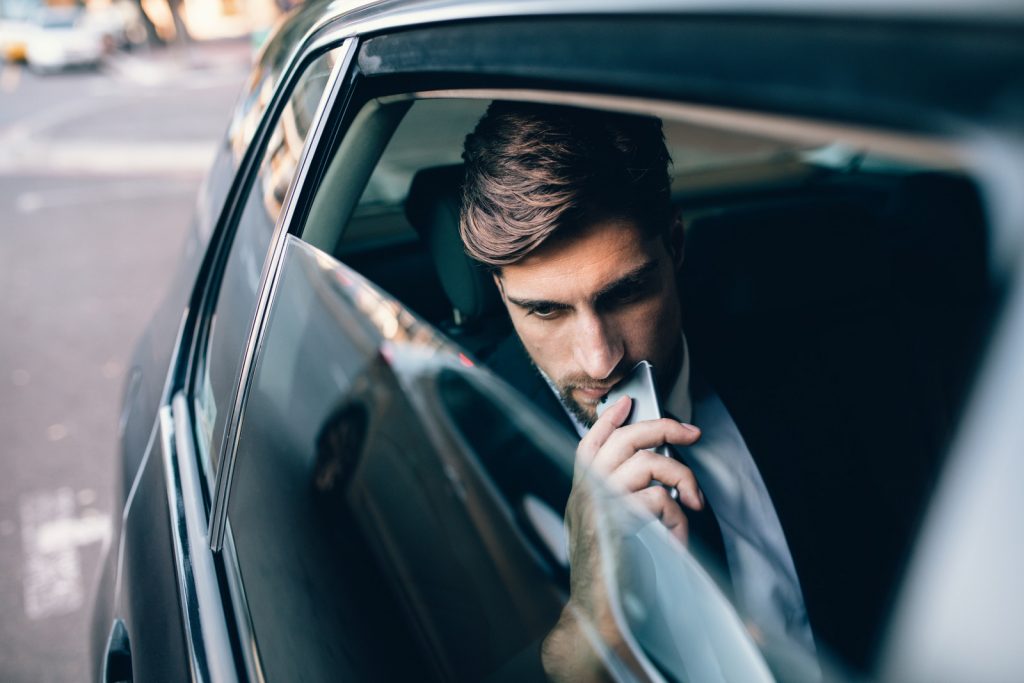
657	501
637	472
604	427
621	455
619	446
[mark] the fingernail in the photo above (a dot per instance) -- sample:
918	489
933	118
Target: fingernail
700	494
690	426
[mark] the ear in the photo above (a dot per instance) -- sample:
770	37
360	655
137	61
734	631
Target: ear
677	240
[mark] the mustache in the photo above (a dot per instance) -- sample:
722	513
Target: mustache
584	382
565	385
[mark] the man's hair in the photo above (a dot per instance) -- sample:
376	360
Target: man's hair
534	170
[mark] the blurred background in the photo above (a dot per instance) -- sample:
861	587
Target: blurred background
110	111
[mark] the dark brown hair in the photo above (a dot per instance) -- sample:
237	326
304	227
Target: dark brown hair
533	170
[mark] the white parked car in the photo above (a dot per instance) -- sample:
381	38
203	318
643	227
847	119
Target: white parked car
60	38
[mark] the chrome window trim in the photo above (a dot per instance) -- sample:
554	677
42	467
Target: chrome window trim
206	632
225	470
245	167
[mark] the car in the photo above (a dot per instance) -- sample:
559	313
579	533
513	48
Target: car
61	38
324	478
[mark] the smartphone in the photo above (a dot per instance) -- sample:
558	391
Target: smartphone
639	386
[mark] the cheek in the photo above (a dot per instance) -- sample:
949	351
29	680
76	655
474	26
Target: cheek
545	342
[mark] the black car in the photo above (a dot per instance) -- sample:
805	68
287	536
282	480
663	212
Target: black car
324	480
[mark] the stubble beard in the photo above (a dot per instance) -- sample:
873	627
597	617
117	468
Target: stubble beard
585	413
586	417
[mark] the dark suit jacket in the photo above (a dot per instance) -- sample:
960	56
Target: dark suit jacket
845	514
511	362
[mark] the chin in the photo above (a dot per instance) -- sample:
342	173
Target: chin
585	412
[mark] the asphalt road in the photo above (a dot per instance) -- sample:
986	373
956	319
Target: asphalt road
98	175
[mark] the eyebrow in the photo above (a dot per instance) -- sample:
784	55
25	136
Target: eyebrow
633	278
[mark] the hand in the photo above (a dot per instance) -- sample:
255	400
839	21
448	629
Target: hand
619	457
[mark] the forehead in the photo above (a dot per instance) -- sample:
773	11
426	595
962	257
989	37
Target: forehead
579	266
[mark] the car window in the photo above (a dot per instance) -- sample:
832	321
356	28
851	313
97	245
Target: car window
373	446
819	286
229	323
58	19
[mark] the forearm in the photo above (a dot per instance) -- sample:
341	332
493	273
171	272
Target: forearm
567	655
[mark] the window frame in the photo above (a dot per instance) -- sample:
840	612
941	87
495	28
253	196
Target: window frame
312	170
216	647
410	69
218	482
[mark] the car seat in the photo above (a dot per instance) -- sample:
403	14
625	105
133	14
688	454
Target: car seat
478	319
840	329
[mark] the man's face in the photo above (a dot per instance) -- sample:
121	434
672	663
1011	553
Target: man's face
590	307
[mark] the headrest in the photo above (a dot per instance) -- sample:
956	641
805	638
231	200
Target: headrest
433	208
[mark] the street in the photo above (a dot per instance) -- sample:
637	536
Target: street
98	176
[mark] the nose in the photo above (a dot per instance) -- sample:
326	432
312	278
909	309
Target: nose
598	347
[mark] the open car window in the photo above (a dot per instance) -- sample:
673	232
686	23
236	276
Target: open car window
823	288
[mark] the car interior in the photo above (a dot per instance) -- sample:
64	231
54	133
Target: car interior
836	301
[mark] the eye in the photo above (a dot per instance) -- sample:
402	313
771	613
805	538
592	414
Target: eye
629	294
622	297
625	296
544	311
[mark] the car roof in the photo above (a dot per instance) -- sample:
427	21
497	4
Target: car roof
376	15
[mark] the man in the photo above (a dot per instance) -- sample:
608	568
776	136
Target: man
571	209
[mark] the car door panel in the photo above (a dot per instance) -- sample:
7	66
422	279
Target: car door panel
145	580
345	446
